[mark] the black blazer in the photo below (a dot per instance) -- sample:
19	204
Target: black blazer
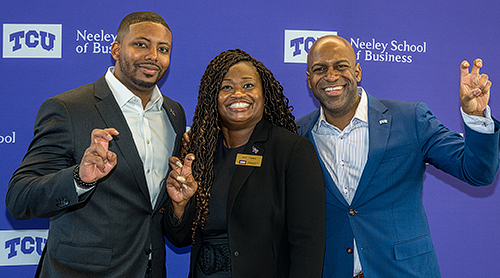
275	213
109	231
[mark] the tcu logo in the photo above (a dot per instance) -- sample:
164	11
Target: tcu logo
27	245
298	42
21	247
32	40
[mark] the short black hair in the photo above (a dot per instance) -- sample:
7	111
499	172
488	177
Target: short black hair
137	17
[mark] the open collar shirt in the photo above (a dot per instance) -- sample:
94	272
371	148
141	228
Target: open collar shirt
151	129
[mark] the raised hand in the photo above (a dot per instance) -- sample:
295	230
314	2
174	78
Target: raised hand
98	161
474	88
181	185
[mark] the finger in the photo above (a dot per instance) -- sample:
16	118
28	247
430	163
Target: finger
175	162
177	179
172	182
188	160
191	184
103	134
464	68
486	88
478	63
96	150
111	159
483	80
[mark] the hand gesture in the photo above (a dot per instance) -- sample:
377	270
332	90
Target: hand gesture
97	160
474	89
181	185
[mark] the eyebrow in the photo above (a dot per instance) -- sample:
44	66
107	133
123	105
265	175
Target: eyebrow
146	39
336	63
248	77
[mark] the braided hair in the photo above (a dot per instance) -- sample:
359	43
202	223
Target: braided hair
206	126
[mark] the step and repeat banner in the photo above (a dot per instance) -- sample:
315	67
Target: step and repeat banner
408	50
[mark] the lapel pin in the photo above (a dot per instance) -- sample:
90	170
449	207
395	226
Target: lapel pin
384	121
172	111
255	150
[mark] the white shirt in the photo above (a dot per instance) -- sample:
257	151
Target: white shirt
151	129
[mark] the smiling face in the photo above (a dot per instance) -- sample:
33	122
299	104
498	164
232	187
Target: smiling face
142	56
333	75
241	99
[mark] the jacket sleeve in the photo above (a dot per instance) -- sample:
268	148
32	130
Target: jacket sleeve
43	184
473	158
178	231
305	211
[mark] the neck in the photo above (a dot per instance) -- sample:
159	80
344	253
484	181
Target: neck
339	122
144	96
234	138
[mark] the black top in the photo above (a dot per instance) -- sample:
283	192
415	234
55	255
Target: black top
215	230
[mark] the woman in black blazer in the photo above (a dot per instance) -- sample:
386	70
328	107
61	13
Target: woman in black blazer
259	197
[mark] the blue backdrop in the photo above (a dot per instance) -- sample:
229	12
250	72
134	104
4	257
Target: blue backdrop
408	50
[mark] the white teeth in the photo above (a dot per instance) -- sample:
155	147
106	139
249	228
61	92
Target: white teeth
239	105
329	89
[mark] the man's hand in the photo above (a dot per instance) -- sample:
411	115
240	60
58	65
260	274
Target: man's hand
98	161
474	89
181	185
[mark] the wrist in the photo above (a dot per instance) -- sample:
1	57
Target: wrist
79	182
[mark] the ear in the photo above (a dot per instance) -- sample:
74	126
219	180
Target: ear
308	76
115	50
357	71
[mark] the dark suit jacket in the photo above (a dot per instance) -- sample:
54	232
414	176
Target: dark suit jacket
108	231
387	216
276	212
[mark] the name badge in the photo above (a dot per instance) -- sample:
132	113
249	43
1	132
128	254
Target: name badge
248	160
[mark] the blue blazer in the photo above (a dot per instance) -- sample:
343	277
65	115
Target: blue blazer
387	215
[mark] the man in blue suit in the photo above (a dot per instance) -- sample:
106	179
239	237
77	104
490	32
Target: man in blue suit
373	153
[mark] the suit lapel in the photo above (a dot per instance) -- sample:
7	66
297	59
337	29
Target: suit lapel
113	117
379	126
330	184
260	134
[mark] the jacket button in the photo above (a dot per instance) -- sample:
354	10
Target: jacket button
147	251
236	253
349	250
352	212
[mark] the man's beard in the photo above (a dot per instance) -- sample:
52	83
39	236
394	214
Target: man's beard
129	69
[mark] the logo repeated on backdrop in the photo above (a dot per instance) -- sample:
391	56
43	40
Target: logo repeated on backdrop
298	42
32	41
22	247
94	42
394	51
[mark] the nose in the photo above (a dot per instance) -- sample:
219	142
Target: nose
152	54
238	90
331	74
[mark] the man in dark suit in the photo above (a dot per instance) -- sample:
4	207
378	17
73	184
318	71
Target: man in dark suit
105	196
373	153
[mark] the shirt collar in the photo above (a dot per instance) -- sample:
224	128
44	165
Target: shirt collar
360	116
123	95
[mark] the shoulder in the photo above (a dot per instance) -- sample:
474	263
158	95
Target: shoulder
287	140
78	95
397	106
305	122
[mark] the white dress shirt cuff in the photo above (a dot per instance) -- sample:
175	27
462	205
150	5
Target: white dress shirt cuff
80	191
480	124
